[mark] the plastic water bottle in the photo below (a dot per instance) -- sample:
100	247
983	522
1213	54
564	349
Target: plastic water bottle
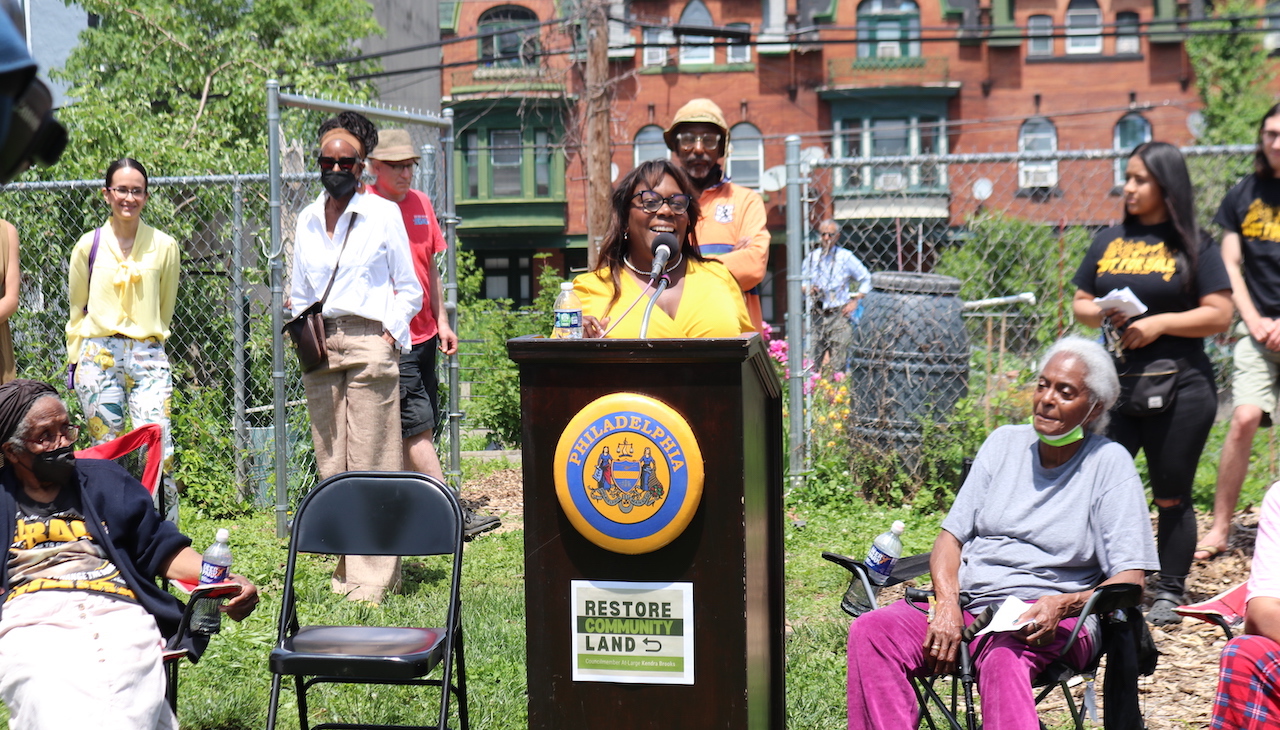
568	314
884	553
206	619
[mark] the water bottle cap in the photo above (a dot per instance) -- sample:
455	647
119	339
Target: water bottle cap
222	535
566	286
898	527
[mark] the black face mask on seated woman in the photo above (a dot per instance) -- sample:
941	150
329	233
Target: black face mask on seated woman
339	183
55	467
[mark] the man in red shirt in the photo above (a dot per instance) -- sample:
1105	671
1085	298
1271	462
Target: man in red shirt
732	226
393	162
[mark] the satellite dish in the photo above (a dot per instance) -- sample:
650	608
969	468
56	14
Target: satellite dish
1195	124
774	179
613	172
982	189
811	155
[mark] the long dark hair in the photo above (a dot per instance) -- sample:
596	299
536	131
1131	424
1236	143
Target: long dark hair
648	174
126	162
1165	164
1261	167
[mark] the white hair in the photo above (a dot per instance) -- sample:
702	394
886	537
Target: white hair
1100	380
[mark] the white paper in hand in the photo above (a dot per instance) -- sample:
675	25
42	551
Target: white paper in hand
1006	618
1123	301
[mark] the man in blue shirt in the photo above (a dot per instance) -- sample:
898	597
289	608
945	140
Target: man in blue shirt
835	280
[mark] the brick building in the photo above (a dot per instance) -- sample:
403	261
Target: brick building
858	79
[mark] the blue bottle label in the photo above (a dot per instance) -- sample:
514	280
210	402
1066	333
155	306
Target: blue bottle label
880	563
568	318
210	573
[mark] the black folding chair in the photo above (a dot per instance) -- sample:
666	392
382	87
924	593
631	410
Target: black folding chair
373	513
1122	630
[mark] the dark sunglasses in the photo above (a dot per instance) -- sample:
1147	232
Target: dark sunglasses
651	202
346	164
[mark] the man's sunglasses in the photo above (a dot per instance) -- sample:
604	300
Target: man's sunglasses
346	164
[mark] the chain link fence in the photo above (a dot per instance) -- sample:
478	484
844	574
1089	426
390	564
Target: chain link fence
220	348
1009	230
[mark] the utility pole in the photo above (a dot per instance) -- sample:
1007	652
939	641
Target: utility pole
599	155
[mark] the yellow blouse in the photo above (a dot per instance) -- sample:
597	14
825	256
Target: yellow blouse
132	296
711	304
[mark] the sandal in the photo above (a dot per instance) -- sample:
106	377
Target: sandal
1161	613
1209	552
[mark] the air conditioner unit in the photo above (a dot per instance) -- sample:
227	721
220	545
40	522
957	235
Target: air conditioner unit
891	181
888	49
1038	177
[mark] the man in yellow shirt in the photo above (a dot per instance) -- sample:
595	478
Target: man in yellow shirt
732	227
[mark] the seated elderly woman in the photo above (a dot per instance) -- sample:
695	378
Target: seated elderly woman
1049	511
702	300
1249	679
83	619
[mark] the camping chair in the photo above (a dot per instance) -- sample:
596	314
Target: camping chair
121	450
372	513
1225	610
1118	599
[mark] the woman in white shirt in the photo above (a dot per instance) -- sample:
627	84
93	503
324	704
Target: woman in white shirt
353	398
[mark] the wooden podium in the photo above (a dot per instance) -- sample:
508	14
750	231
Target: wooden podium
730	551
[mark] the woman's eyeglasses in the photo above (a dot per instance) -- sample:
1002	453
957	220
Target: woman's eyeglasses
124	192
48	439
346	164
651	202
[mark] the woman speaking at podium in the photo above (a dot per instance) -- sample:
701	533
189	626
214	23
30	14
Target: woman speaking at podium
653	204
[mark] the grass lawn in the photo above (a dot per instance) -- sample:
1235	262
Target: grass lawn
230	687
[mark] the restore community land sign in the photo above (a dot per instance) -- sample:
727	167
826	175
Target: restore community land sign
632	632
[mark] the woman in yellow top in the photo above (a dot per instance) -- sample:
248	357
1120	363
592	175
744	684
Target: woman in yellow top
702	300
10	276
123	284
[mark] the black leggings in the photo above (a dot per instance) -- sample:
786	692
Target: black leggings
1173	442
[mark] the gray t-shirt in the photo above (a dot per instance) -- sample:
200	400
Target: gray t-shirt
1027	531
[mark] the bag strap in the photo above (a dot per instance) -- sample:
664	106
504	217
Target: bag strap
93	256
351	223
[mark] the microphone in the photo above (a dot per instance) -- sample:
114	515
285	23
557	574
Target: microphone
664	245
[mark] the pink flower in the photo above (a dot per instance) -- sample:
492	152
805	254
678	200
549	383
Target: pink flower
839	376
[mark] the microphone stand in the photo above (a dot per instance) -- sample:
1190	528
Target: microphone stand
663	282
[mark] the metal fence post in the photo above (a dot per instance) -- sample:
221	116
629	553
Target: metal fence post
450	220
280	415
795	310
240	336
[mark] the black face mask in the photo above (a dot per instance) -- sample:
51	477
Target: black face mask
55	467
339	184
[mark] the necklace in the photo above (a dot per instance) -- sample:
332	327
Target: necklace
670	265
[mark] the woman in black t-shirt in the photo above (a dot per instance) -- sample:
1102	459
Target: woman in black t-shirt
1176	270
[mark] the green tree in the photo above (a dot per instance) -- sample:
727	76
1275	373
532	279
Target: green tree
1231	75
180	84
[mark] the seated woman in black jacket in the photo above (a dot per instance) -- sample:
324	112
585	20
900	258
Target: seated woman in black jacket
83	623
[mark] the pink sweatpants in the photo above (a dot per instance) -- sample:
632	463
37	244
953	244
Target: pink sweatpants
886	649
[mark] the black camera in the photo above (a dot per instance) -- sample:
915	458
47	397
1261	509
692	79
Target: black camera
28	131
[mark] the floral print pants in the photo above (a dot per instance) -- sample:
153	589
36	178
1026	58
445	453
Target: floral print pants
119	374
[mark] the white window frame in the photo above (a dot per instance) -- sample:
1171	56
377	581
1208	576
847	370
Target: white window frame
1084	31
1040	35
657	56
1037	174
738	52
739	150
1271	40
696	50
1127	39
638	143
1119	146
